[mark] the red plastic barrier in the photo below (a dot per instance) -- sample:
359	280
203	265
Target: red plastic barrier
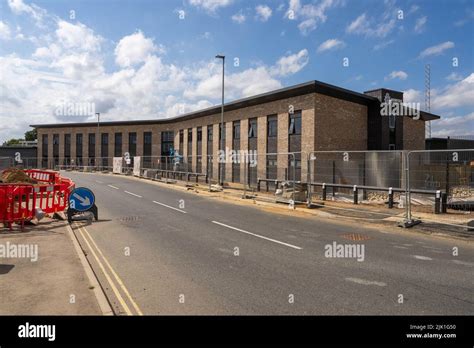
19	201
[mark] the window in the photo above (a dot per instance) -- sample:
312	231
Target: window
55	145
78	145
45	145
199	134
295	123
147	142
132	144
181	136
272	126
209	133
221	132
391	121
91	152
67	145
104	145
253	128
105	139
167	142
190	135
118	145
236	130
147	138
391	147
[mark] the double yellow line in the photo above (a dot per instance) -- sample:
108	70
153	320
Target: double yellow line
87	237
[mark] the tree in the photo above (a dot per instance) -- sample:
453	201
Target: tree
31	135
12	142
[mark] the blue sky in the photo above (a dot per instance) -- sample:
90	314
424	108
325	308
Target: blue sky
155	59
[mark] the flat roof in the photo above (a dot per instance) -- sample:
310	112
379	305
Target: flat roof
287	92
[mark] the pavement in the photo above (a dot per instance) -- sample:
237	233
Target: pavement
46	275
162	250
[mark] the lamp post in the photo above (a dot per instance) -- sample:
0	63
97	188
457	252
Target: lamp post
221	174
98	140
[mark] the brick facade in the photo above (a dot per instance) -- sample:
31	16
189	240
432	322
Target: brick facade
328	123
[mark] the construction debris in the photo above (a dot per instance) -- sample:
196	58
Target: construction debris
17	176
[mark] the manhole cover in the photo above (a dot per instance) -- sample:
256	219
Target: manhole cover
129	218
355	236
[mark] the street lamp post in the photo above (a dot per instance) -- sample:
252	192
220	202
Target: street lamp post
98	140
221	174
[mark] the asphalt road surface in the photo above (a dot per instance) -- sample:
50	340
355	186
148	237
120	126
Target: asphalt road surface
168	251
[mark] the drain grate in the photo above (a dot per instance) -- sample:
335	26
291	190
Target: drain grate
355	236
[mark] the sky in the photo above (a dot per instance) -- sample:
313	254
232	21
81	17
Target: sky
146	59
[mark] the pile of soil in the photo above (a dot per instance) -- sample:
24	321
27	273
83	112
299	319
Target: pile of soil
17	176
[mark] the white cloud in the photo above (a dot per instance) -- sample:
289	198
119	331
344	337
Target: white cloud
363	25
420	24
454	126
243	84
134	49
291	64
436	50
210	5
18	7
454	77
238	17
5	32
458	94
263	12
77	36
412	96
382	45
397	75
247	83
331	44
310	15
413	9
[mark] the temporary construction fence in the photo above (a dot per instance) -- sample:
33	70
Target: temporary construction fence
450	174
22	202
419	182
6	162
276	176
354	176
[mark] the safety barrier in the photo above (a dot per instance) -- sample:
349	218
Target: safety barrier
20	202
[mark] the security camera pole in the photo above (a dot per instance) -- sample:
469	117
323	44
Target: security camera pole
221	174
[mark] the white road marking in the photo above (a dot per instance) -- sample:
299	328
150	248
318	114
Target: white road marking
464	263
257	235
133	194
99	182
365	282
167	206
400	247
422	257
113	187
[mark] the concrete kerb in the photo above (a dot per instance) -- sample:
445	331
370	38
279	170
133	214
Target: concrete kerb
301	211
99	293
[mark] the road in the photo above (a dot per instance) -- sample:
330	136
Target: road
176	252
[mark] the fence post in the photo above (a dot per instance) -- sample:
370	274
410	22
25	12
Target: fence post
444	202
294	178
407	187
324	192
390	198
356	194
308	181
437	202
